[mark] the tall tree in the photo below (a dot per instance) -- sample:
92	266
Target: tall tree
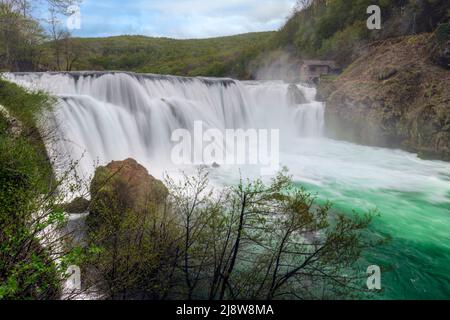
264	241
62	44
20	34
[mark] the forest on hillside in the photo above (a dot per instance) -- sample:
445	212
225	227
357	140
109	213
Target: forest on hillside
224	56
337	29
32	43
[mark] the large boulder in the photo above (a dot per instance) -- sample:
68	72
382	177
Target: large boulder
133	232
124	186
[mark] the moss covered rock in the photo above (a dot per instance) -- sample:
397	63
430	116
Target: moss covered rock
78	205
125	186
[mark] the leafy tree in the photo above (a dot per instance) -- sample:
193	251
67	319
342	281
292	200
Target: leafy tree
250	241
337	29
20	36
257	241
62	43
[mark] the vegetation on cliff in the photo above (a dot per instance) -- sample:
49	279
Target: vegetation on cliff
29	210
337	29
396	95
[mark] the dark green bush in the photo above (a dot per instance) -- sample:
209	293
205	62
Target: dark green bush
27	270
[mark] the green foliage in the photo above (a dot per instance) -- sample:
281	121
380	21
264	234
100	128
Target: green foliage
26	271
261	240
443	33
28	203
337	29
130	243
225	56
22	104
26	107
27	153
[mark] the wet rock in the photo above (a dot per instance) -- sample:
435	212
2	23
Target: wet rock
215	165
78	205
295	95
408	109
125	186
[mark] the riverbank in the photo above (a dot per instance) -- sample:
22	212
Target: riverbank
396	95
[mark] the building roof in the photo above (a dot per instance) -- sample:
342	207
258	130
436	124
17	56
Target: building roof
328	63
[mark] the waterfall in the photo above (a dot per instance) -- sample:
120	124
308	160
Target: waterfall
111	116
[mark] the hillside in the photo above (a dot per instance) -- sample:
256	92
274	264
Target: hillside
396	95
337	30
223	56
27	270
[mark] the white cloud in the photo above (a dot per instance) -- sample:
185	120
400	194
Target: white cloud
250	8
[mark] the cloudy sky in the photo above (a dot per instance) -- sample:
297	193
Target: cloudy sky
181	18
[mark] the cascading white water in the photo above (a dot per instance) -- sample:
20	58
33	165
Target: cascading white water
111	116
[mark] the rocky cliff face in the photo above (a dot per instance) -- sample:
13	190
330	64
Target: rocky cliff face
396	95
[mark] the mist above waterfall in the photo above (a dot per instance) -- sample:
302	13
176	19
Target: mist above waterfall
277	65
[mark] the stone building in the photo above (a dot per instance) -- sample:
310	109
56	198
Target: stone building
312	70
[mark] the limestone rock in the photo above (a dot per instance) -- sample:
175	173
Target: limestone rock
125	186
441	50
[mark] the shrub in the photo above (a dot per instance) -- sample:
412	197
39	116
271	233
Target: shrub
29	207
